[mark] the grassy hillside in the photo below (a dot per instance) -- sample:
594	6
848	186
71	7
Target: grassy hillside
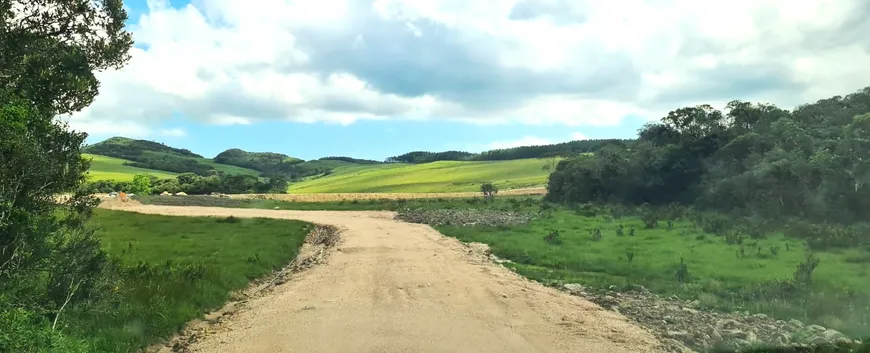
110	168
443	176
157	156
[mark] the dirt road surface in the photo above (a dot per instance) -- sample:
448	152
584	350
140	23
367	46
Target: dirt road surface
391	287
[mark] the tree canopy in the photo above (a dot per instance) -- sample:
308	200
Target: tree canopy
751	158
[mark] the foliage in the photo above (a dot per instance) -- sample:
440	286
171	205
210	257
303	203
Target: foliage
174	269
50	49
141	184
193	184
268	163
564	149
349	160
751	160
489	190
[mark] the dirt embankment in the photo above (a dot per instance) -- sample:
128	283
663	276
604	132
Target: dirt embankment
391	286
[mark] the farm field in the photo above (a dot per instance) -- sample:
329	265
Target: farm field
174	269
442	176
110	168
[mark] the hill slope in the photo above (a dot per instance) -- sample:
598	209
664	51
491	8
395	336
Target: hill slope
110	168
442	176
157	156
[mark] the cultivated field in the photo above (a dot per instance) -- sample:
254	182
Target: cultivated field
110	168
443	176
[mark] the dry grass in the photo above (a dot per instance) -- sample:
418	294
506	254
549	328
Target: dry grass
331	197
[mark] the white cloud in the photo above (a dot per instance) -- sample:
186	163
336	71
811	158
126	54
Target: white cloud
564	62
523	141
176	132
578	136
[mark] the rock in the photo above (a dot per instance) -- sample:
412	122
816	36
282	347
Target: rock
794	322
611	287
727	324
669	319
750	337
832	335
819	341
690	311
678	335
573	287
816	328
716	336
781	339
760	316
504	295
308	307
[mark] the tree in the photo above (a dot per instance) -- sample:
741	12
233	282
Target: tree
49	49
49	258
489	190
141	184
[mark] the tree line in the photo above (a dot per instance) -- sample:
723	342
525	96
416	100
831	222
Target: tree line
565	149
751	159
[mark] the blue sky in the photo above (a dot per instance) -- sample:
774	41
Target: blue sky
372	79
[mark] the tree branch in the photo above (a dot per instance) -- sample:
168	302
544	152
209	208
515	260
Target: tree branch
72	291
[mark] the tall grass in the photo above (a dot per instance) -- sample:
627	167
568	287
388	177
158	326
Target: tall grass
171	270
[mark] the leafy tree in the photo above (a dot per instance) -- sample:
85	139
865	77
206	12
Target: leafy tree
50	260
754	160
141	184
489	190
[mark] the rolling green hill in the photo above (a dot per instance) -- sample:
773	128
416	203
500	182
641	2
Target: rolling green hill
157	156
442	176
110	168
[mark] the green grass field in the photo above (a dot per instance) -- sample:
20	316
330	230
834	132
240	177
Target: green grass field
174	269
444	176
719	275
110	168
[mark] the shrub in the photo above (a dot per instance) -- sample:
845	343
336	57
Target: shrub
682	273
804	272
553	238
489	190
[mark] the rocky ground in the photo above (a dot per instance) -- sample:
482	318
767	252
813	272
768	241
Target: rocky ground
463	217
681	323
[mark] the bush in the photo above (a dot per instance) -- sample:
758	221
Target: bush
26	332
489	190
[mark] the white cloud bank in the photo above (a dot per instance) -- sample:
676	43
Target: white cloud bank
575	63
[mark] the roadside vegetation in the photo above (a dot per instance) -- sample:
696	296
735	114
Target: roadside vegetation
165	271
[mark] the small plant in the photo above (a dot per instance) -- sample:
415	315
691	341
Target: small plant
682	272
804	272
553	238
650	219
254	258
620	231
735	238
596	233
630	256
631	232
489	190
774	250
670	225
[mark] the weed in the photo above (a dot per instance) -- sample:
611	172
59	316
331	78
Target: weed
553	238
631	232
682	272
620	231
595	233
629	256
804	272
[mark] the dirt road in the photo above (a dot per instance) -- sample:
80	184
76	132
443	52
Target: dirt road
400	287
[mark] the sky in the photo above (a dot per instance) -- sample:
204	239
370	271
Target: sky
373	79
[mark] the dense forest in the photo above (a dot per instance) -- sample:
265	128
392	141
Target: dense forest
265	162
349	160
565	149
756	160
194	184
